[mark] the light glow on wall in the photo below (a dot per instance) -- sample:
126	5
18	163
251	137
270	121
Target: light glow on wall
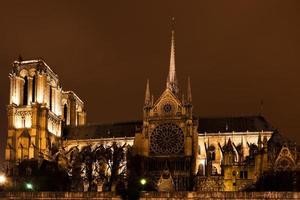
23	121
18	122
54	128
39	96
15	90
27	121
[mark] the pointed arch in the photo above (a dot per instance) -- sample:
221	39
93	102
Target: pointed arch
24	142
212	152
65	113
50	97
285	160
33	88
25	91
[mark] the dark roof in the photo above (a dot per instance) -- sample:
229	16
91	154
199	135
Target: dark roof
278	140
128	129
230	124
92	131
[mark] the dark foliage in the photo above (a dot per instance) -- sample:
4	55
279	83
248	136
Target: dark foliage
44	177
279	181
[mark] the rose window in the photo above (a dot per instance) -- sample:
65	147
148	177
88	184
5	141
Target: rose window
167	139
167	108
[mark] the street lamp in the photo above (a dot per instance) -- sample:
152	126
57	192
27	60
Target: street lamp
29	186
143	181
2	179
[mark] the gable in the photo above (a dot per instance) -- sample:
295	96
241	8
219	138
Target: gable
285	160
167	104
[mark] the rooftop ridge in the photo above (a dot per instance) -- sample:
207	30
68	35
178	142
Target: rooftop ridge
231	116
109	123
140	121
23	62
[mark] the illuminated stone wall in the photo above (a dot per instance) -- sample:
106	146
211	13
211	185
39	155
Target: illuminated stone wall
216	140
36	110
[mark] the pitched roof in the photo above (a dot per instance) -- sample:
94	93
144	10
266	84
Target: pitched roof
230	124
93	131
128	129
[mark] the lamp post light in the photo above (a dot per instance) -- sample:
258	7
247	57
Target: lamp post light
2	179
143	182
29	186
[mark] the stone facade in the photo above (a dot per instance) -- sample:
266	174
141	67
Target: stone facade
151	195
38	111
172	142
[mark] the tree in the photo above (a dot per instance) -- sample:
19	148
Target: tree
101	163
87	157
111	164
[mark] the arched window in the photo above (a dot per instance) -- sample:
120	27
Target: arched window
212	152
214	171
65	113
233	173
213	155
284	164
24	141
25	91
253	151
50	96
33	89
201	171
25	148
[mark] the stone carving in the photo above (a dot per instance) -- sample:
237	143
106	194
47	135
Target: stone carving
209	183
285	160
23	113
165	182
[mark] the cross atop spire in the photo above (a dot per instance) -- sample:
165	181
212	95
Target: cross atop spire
172	80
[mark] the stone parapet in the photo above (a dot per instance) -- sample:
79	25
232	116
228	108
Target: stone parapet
59	195
150	195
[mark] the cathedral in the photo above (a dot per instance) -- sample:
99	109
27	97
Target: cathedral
178	150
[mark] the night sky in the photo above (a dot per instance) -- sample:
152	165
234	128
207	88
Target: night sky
237	53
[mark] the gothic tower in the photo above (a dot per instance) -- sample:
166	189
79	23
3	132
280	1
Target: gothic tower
169	140
37	111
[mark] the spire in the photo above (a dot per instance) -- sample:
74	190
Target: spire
172	80
229	147
147	94
265	142
229	142
152	100
259	142
244	142
189	91
183	99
